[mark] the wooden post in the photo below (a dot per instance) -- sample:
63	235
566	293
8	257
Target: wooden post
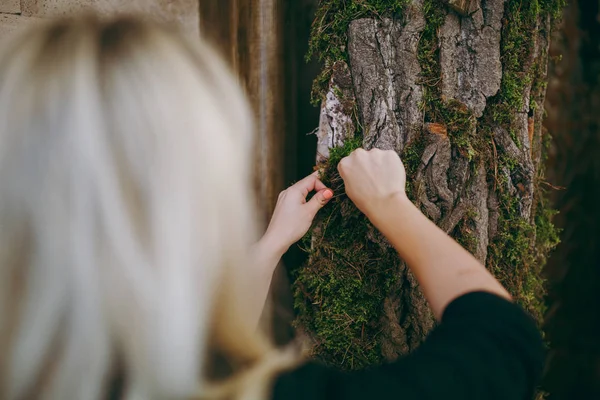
248	33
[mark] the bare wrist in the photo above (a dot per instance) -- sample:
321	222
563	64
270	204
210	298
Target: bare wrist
381	209
272	244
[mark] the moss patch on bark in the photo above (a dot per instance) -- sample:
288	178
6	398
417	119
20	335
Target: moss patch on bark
339	295
459	121
520	249
329	33
510	257
347	278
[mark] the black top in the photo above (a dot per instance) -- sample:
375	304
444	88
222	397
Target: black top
485	348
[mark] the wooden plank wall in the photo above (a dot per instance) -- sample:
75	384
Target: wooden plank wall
249	35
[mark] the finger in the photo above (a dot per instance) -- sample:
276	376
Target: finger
320	198
308	184
319	185
341	166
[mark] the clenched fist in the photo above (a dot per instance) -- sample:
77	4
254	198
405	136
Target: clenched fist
372	178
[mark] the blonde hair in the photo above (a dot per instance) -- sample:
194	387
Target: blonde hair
125	214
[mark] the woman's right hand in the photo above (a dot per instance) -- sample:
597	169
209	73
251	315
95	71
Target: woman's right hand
372	178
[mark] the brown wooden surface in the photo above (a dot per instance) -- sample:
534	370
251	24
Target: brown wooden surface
248	33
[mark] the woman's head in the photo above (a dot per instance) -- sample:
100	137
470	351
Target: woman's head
125	204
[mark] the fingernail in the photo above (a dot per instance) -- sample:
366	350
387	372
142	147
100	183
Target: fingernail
327	194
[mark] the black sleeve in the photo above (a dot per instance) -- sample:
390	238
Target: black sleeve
485	348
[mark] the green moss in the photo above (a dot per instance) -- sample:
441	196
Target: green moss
461	124
553	8
412	154
428	55
511	258
464	232
517	45
337	153
519	250
329	33
339	294
457	118
411	158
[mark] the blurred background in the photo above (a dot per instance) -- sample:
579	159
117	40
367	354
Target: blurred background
266	41
572	323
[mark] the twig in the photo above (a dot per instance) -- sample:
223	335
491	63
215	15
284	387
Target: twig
553	186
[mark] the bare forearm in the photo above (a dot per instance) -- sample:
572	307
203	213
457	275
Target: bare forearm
292	217
266	255
443	268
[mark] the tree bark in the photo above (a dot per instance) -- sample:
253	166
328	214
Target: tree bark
457	95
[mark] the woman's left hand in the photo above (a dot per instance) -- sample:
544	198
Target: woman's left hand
291	220
293	215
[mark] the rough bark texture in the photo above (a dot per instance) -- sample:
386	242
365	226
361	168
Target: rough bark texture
336	124
385	70
457	97
470	56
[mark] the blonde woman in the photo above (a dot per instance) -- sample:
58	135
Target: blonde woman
128	264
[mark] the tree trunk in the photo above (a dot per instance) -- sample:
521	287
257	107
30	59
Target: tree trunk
457	92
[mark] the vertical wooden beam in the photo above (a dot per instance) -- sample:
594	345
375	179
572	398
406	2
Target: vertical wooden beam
248	33
264	87
217	20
